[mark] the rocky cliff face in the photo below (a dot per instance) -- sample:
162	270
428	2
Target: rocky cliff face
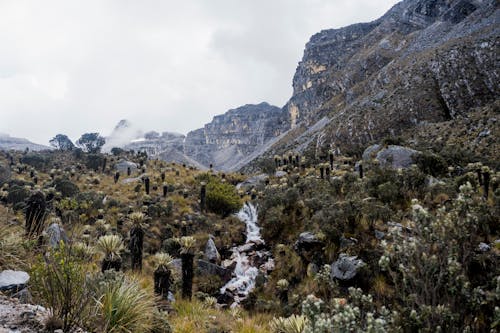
238	133
423	61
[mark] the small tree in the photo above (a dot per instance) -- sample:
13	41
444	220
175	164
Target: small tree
91	142
62	142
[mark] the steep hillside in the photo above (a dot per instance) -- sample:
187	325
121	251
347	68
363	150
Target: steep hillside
424	61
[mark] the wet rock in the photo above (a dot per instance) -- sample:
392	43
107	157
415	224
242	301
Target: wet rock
206	267
346	267
13	280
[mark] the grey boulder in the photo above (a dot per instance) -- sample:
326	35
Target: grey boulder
346	267
13	280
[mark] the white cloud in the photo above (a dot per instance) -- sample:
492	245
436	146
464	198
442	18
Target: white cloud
77	66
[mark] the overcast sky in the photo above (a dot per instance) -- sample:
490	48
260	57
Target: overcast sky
79	66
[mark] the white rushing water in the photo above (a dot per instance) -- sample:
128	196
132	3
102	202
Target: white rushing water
245	273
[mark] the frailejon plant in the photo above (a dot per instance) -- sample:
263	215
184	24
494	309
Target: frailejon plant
110	246
188	244
163	274
35	214
136	240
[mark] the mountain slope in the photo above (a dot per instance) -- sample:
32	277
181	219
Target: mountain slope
424	61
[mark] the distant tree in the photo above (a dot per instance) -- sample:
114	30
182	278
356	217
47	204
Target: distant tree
62	142
91	142
117	151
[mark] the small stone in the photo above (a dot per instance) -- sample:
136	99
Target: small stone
483	247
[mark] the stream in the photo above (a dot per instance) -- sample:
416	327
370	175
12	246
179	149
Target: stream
251	258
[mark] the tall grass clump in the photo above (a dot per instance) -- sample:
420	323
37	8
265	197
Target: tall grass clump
125	307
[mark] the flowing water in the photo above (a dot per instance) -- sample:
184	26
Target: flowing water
247	257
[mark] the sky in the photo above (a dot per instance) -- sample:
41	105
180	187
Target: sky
73	67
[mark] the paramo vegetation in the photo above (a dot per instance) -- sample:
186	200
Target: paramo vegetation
122	243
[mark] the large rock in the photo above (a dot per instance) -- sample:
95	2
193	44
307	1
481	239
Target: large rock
123	165
346	267
56	234
13	280
211	254
396	157
206	267
309	247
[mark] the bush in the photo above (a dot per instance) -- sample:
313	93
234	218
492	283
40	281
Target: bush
17	194
222	198
431	164
36	160
66	187
59	282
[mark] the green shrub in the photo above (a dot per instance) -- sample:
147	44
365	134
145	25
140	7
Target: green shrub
58	282
66	187
431	164
222	198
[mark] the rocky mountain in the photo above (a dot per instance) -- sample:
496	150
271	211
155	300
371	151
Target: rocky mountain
424	61
8	142
226	143
230	139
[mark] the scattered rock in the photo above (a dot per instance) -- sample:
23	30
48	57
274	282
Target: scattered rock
13	280
346	267
280	174
211	253
56	234
253	181
379	234
483	247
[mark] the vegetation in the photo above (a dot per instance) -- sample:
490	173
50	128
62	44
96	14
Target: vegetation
427	237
